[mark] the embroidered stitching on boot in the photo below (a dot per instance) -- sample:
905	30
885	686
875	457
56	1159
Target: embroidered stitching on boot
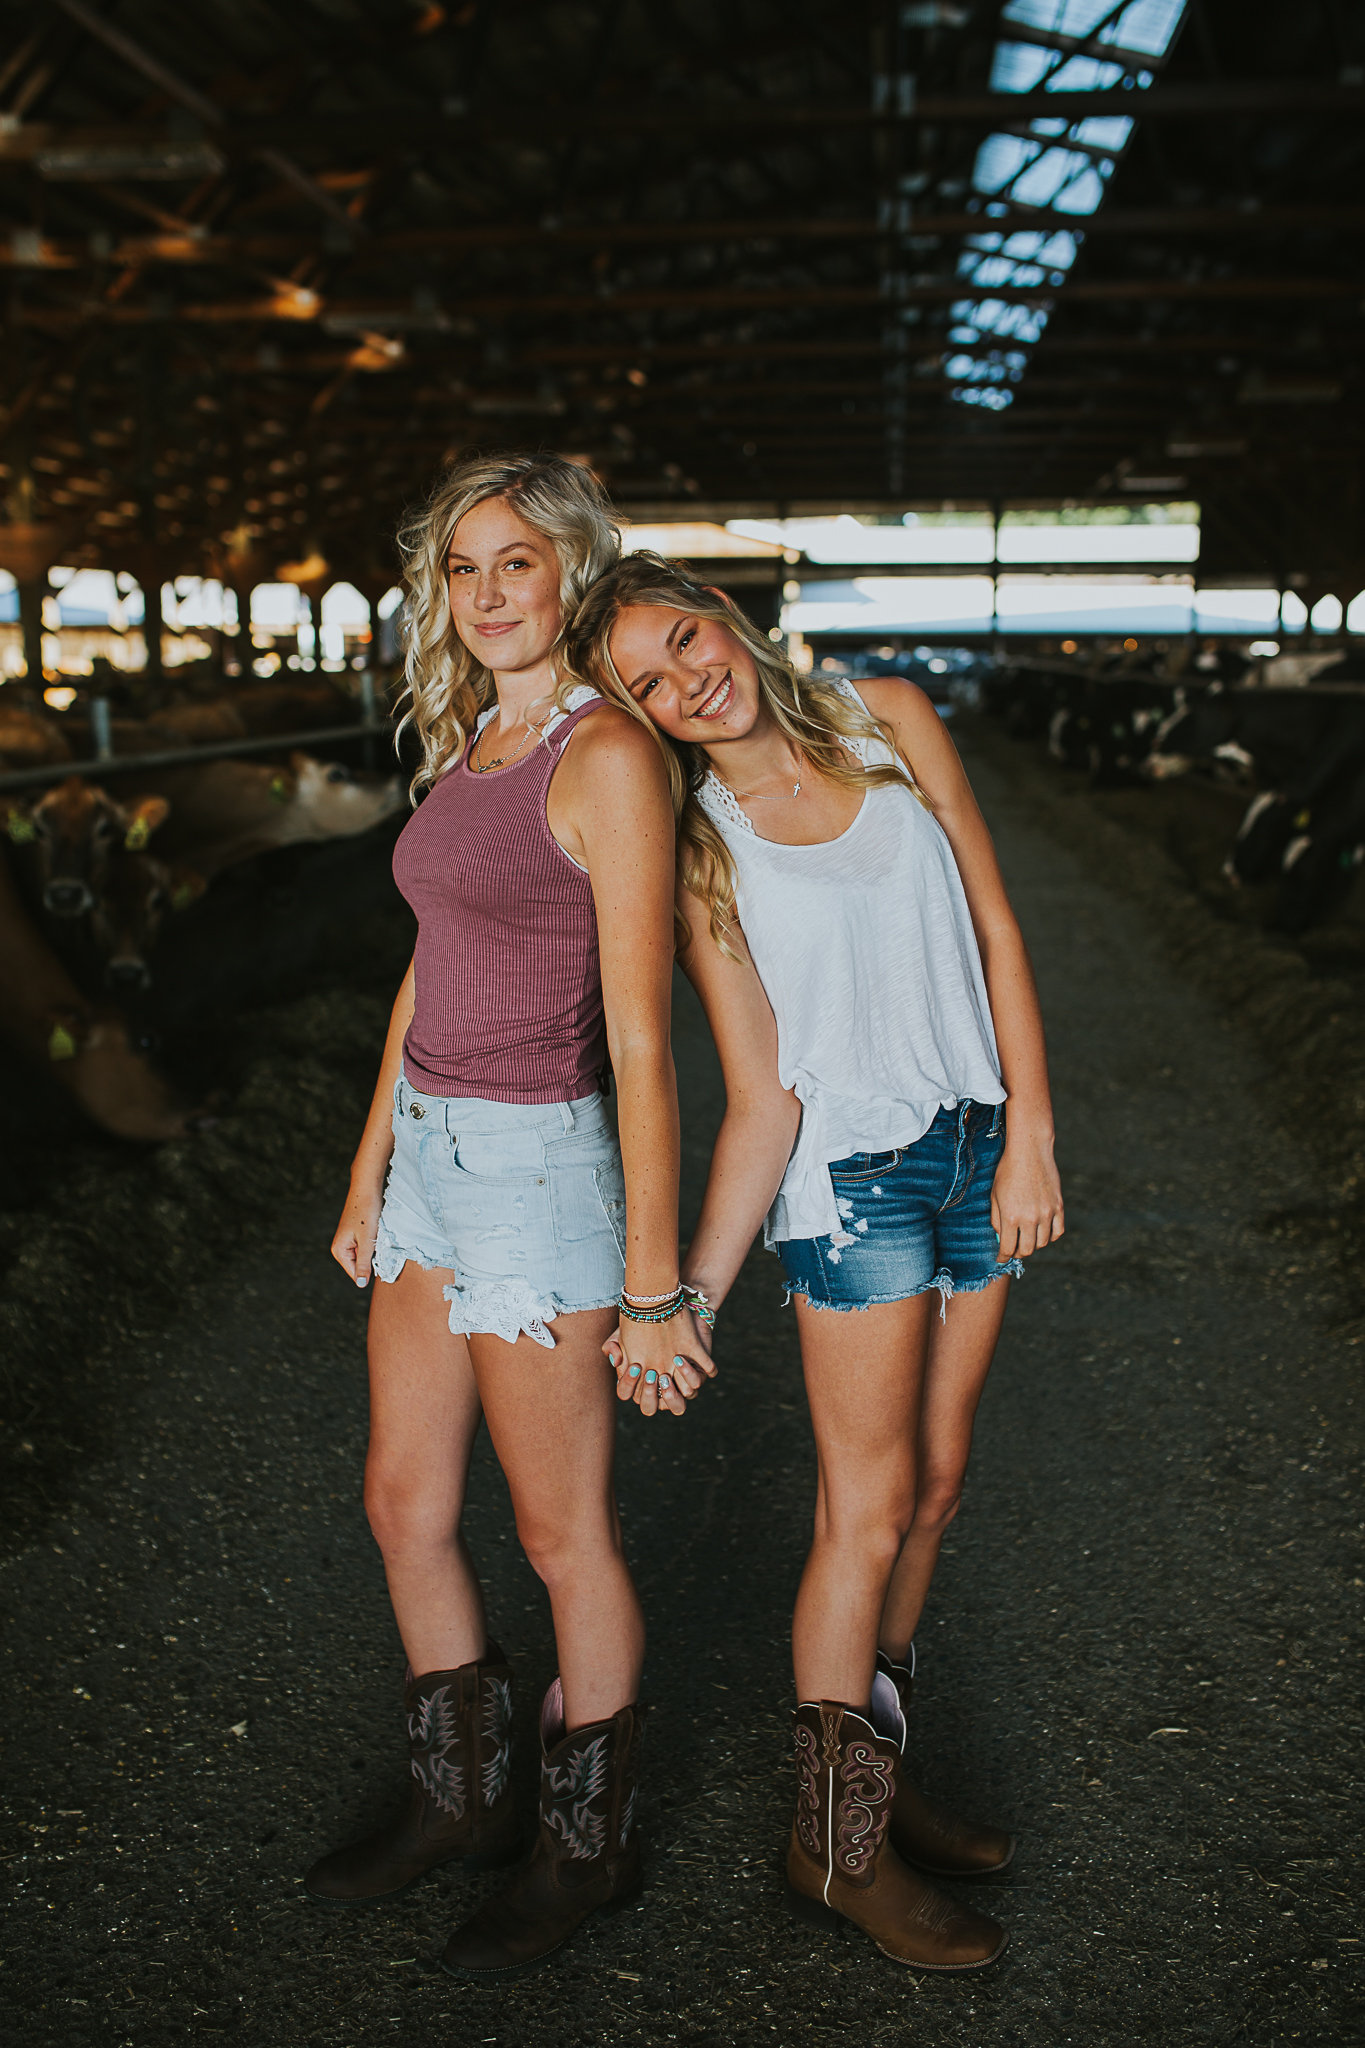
432	1728
575	1785
497	1729
866	1790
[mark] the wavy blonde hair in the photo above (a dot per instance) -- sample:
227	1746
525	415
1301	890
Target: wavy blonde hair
814	716
446	687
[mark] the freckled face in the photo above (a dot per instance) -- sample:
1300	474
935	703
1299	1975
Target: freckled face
694	677
504	587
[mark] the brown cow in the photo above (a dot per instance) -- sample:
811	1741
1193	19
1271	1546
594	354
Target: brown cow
130	910
226	811
72	834
90	852
86	1050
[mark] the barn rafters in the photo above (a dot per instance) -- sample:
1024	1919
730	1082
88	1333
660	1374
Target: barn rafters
713	249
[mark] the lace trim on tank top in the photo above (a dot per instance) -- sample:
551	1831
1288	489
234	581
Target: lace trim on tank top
716	796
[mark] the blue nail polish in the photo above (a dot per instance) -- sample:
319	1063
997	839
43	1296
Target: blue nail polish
650	1378
680	1361
635	1372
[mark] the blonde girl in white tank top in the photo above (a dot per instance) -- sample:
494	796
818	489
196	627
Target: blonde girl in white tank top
843	919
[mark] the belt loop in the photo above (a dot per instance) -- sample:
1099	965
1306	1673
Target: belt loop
566	1115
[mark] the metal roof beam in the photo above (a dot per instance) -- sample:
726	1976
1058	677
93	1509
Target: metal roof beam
205	110
428	125
1078	46
398	315
181	245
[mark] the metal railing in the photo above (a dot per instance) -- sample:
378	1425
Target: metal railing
103	761
104	765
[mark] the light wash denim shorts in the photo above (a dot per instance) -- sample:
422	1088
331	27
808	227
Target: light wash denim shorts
523	1202
911	1220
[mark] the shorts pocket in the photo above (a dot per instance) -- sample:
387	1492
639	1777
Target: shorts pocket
611	1193
588	1193
499	1159
861	1166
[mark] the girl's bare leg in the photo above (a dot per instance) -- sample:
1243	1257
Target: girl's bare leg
424	1416
961	1348
864	1371
552	1419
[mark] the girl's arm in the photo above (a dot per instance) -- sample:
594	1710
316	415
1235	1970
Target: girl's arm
1026	1203
614	816
761	1116
353	1244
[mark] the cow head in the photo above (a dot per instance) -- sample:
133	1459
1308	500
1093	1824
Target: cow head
134	897
72	832
333	802
126	918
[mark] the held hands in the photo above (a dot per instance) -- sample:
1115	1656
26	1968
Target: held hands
353	1244
660	1365
1026	1200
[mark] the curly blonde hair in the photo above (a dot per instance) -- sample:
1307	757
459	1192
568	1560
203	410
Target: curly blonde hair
446	687
814	716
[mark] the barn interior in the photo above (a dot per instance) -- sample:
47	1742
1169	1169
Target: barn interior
1013	346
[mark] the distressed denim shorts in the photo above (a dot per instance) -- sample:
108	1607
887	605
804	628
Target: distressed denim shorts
523	1202
912	1219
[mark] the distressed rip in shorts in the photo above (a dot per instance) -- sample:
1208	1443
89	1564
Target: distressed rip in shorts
911	1219
523	1203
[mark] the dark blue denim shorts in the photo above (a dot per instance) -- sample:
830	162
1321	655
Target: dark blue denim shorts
912	1219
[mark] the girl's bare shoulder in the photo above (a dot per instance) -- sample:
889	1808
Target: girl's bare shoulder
609	743
894	699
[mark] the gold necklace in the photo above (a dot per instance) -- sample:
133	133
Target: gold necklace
500	760
753	796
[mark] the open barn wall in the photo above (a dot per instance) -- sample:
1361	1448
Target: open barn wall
266	266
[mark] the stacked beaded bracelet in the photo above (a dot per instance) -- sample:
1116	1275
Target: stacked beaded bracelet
662	1310
699	1305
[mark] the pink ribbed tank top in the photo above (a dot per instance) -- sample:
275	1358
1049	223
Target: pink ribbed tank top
508	984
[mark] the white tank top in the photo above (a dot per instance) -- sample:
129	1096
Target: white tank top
865	948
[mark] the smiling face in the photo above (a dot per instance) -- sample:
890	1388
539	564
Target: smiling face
692	676
504	587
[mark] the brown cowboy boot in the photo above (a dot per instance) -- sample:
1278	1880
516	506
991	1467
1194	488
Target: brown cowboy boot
840	1863
586	1857
925	1834
460	1806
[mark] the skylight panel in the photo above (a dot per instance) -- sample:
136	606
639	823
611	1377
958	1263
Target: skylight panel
1020	67
1104	131
1145	25
1052	163
1082	74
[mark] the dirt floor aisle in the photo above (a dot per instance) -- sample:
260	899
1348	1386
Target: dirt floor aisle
1139	1650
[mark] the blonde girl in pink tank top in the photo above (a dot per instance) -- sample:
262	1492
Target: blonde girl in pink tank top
507	1230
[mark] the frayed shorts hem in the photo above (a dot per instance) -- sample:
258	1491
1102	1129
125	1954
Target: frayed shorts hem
1010	1269
506	1308
510	1309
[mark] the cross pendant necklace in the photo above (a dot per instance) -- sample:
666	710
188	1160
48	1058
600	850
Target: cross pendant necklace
753	796
750	796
